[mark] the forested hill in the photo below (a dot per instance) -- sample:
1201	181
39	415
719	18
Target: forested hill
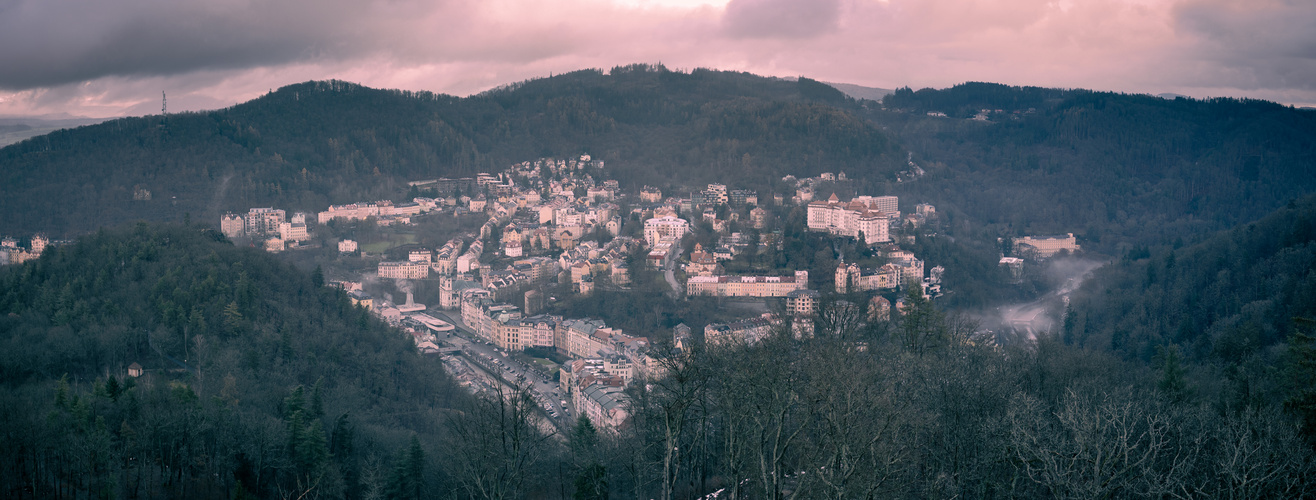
1120	171
1226	299
1117	170
257	378
308	145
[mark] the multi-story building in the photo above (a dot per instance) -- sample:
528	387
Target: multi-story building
667	226
758	217
886	204
1045	246
747	286
293	231
585	338
445	259
347	246
716	194
259	221
802	303
471	259
451	288
701	263
650	194
603	404
858	216
404	270
232	225
852	278
743	197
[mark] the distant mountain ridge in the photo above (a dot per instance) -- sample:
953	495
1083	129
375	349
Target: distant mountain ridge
1117	170
861	92
18	128
311	144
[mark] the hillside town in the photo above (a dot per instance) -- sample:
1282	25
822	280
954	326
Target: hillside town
554	227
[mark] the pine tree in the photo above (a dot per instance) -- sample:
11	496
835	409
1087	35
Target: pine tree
407	480
1173	381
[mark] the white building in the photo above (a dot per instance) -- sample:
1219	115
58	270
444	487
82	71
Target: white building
404	270
293	231
347	246
1045	246
860	215
747	286
667	226
421	255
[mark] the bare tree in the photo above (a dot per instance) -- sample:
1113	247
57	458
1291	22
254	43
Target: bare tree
495	444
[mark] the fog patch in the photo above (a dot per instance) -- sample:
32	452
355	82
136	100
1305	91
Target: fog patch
1023	322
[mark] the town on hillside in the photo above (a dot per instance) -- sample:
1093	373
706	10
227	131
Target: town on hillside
503	262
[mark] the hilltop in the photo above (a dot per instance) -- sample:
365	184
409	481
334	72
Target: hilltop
307	145
1118	170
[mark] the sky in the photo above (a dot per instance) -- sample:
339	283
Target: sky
106	58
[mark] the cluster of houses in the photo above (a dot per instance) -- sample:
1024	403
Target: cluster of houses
589	262
12	253
603	358
272	226
547	218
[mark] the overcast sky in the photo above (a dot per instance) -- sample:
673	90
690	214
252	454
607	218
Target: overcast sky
102	58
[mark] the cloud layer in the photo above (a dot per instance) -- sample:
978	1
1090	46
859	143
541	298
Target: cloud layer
93	58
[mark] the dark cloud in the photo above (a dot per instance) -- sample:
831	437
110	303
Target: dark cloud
1258	44
45	43
781	18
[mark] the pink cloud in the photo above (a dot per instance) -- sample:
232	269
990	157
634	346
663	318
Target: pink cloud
227	51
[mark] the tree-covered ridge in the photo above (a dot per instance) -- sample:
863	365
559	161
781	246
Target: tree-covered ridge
1115	169
257	379
311	144
968	99
1227	298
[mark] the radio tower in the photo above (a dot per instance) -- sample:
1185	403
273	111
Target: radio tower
164	103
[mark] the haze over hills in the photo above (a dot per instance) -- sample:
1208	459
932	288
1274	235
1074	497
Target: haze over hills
17	129
860	91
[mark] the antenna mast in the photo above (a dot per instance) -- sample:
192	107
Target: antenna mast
164	103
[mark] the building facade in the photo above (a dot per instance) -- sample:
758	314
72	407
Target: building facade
853	218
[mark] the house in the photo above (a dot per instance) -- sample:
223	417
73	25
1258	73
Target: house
134	370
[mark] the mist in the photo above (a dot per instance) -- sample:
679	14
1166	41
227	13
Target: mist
1024	321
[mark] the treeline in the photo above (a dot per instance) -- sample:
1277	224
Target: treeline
308	145
1117	170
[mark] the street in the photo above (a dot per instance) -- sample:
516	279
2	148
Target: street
543	388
